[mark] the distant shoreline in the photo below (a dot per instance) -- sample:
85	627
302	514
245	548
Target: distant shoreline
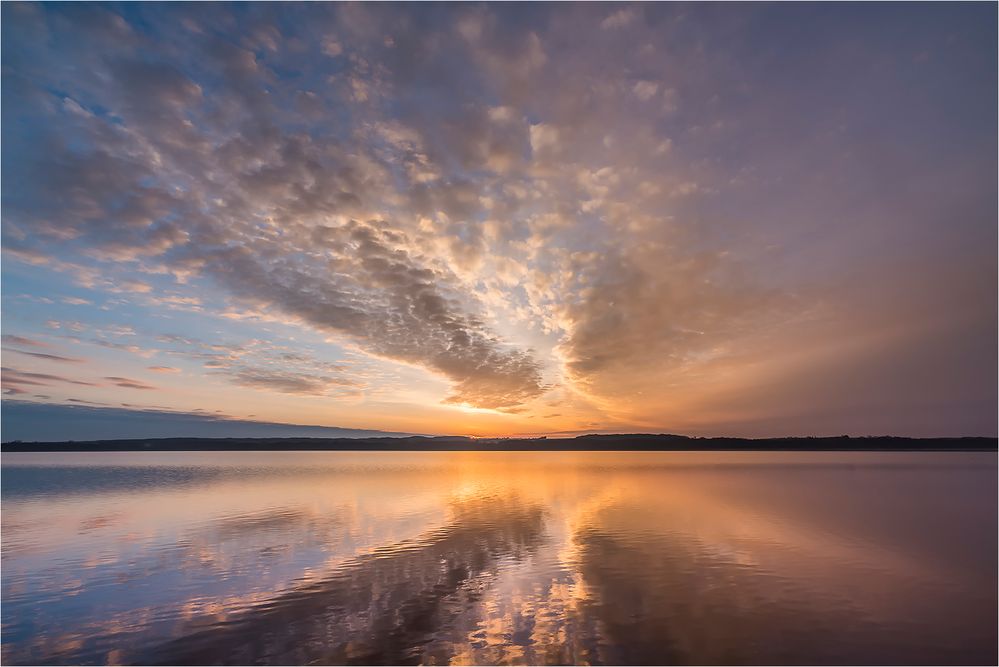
625	442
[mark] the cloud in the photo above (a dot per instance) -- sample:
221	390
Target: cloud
645	90
84	401
163	369
16	381
472	193
21	340
286	382
126	286
543	137
46	356
129	383
620	19
72	326
331	47
121	197
117	330
131	348
643	324
268	366
382	296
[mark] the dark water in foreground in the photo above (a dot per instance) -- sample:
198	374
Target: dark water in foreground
633	558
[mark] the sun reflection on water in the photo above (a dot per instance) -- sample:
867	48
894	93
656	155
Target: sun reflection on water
520	558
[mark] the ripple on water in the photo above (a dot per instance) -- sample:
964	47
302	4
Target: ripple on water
519	558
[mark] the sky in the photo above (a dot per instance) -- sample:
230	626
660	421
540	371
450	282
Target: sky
505	219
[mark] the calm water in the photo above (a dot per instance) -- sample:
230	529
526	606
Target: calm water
486	558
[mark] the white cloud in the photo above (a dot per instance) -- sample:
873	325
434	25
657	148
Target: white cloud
645	90
543	137
332	47
620	19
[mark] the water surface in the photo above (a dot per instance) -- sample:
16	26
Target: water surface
499	558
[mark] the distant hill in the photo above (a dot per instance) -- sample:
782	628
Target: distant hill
623	442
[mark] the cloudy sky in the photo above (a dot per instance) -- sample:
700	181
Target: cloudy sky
505	219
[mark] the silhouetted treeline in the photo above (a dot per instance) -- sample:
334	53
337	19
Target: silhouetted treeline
622	442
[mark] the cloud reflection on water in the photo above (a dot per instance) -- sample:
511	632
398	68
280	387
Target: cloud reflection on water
519	558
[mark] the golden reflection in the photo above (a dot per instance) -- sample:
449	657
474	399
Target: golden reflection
506	558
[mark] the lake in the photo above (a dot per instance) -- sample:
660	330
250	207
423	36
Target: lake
499	558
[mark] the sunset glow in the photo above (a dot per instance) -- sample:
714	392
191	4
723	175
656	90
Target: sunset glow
505	219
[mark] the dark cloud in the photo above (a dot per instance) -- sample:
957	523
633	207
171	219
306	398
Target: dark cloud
84	401
45	356
398	308
286	382
24	376
16	381
128	383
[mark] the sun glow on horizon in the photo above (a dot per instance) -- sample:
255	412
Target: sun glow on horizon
504	219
